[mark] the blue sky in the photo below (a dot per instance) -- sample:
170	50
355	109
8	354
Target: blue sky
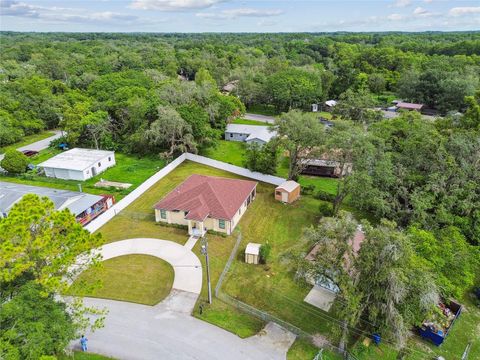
238	16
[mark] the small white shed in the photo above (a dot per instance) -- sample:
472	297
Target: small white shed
252	253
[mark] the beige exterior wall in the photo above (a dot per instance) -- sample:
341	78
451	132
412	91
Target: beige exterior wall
209	223
172	217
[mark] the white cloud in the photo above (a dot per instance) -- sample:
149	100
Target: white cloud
422	12
428	1
462	11
58	14
241	12
395	17
402	3
173	5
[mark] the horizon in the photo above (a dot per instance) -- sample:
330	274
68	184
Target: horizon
237	16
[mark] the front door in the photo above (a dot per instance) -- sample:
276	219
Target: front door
94	171
284	196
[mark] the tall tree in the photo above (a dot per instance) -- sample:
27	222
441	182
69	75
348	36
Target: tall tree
170	133
302	135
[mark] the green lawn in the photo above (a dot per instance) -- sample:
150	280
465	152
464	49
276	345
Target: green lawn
29	139
231	152
79	355
249	122
129	169
304	350
142	279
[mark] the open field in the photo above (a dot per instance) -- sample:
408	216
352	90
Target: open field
27	140
302	350
129	169
141	279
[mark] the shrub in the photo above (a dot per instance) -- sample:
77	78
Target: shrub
323	195
265	252
14	162
326	209
307	189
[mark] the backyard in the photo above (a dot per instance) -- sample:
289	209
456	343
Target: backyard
129	169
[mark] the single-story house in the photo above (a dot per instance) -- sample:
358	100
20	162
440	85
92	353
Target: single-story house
324	167
84	206
287	192
249	133
325	289
206	203
78	164
408	106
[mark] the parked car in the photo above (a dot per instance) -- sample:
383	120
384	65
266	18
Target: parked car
30	153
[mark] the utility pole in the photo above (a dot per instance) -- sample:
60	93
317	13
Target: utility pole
205	252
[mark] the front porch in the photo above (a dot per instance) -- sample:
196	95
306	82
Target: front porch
196	228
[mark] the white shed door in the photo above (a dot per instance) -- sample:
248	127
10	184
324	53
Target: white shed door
284	196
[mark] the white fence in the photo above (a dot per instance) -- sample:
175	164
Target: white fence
102	219
269	179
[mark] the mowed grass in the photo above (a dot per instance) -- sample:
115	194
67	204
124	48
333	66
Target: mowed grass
79	355
273	287
232	152
304	350
26	140
249	122
142	279
138	220
128	169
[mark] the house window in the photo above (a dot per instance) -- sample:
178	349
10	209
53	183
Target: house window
221	224
163	214
231	135
99	164
109	158
279	193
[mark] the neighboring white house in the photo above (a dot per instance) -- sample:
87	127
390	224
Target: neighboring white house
249	133
78	164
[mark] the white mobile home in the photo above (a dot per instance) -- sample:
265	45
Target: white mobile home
78	164
249	133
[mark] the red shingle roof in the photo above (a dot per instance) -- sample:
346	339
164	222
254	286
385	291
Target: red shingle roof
203	196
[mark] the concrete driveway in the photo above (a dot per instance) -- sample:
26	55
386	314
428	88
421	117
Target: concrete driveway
187	266
167	330
263	118
39	145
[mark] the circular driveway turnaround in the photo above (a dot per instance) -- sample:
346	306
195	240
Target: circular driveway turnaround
186	265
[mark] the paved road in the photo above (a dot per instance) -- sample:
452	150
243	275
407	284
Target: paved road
164	331
39	145
167	330
266	119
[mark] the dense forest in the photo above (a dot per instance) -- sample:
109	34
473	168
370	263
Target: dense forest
112	84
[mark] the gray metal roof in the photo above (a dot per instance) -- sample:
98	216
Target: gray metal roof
76	159
264	133
76	202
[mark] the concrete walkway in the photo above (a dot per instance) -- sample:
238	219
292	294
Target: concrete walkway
263	118
186	265
39	145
